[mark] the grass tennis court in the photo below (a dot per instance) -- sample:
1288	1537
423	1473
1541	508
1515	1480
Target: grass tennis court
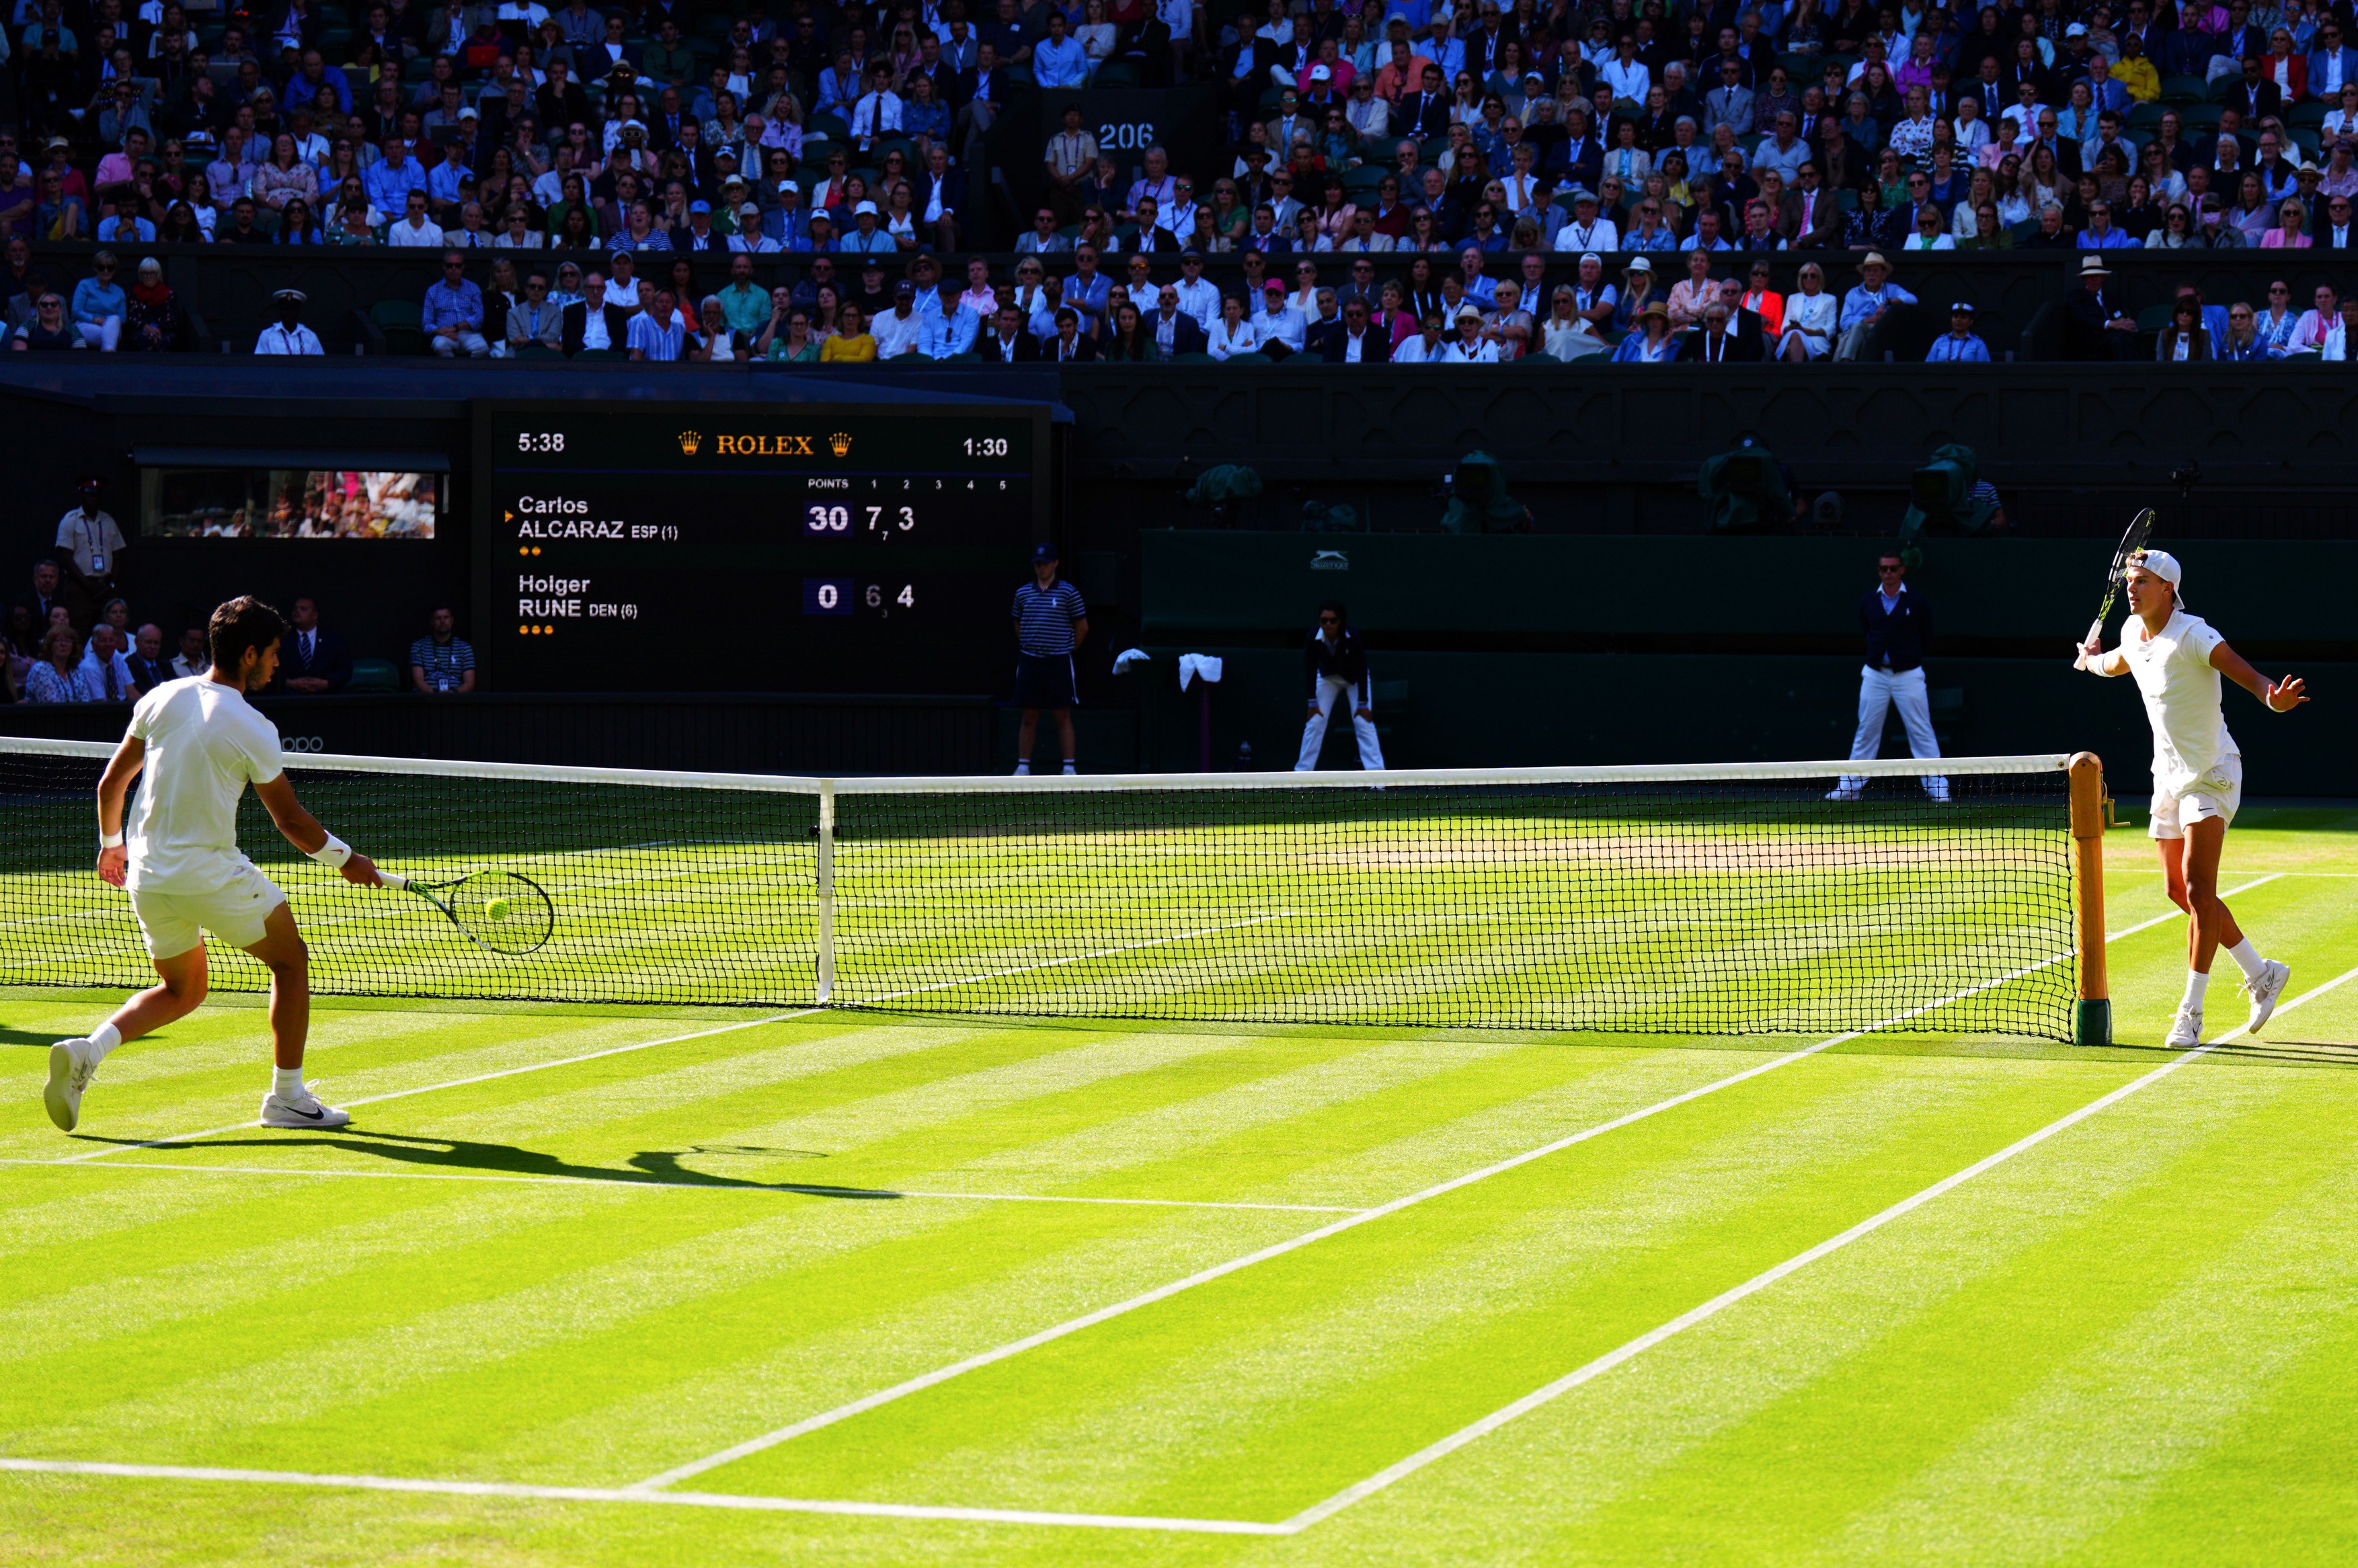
885	1289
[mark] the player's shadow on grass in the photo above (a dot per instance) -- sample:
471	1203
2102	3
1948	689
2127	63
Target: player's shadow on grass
653	1167
21	1037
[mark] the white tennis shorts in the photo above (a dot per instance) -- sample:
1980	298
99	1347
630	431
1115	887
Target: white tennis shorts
2216	794
172	922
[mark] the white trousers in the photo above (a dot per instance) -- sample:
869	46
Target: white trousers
1314	733
1878	690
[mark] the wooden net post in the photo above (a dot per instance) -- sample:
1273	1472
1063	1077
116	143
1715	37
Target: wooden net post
2092	1020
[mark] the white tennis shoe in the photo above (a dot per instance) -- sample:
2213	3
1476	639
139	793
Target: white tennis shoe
70	1071
1845	793
2186	1030
306	1111
2265	990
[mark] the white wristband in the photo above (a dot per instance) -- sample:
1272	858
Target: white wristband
110	840
334	852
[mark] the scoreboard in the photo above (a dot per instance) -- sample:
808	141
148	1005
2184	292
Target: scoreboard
744	546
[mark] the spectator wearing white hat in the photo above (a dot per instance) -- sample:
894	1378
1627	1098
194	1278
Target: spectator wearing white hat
866	236
287	335
1863	305
1960	344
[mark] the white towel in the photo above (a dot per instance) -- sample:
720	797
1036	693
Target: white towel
1193	665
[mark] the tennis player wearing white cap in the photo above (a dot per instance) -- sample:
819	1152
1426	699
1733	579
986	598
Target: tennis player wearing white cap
200	743
2198	774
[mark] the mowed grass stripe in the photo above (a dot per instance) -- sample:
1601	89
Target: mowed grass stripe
516	1299
1704	1447
1984	1299
1728	1185
929	1324
2276	1474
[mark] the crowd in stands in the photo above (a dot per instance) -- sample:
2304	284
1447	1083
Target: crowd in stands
71	637
1395	178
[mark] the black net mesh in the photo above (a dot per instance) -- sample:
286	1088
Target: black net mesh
1708	904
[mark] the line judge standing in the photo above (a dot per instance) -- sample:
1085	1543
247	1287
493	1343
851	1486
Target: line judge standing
1049	622
1896	623
1337	665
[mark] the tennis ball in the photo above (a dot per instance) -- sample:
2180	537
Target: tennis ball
497	909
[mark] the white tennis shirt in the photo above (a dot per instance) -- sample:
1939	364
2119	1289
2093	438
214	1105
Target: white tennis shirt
2182	699
205	743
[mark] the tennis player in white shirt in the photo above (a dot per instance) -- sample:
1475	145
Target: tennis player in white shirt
200	744
2198	774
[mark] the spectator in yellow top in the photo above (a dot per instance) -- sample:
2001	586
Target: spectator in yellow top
2135	71
851	342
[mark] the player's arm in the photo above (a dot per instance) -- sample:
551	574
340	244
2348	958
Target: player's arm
303	830
2283	696
2097	662
114	785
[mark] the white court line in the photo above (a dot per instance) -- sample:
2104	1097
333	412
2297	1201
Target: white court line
1219	1271
1759	1282
781	1189
616	1495
452	1084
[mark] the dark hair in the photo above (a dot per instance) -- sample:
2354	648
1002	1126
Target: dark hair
244	622
1342	616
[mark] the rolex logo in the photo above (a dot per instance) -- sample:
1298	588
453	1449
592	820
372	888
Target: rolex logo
689	441
839	443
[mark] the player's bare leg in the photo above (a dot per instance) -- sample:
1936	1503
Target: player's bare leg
282	952
2190	869
179	987
1065	736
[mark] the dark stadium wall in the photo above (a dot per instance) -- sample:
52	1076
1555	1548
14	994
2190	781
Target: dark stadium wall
1568	709
1752	594
1555	651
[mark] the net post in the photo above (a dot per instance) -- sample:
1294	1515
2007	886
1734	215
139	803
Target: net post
2092	1015
825	888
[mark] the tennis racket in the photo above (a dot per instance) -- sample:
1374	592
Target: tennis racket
499	912
2132	546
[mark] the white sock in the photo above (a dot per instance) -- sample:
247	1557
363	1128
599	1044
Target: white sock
287	1083
103	1039
2247	958
1068	766
2197	983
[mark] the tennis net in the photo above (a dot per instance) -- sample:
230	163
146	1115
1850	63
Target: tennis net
1697	900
